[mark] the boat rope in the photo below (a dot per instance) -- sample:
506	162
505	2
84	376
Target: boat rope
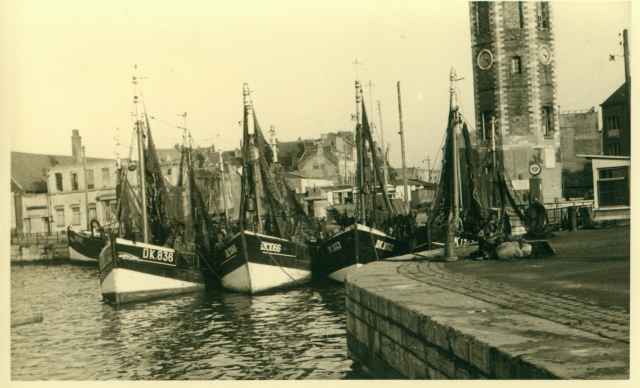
278	264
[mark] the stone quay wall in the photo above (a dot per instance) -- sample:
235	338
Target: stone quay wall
408	320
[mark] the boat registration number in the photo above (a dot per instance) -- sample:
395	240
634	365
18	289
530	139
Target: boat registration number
163	256
270	247
384	246
335	247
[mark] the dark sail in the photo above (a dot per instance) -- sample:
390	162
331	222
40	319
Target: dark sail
157	193
263	181
474	190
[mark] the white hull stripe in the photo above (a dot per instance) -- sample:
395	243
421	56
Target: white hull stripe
122	280
255	277
143	245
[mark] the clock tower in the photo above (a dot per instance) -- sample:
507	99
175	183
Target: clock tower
516	107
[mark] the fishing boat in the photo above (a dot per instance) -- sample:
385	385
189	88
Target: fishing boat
169	257
371	236
473	192
85	246
269	251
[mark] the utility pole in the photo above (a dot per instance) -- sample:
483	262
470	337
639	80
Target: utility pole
384	147
86	189
627	76
402	148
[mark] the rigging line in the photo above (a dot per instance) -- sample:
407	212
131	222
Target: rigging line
277	263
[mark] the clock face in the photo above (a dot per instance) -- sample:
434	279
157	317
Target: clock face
545	55
485	59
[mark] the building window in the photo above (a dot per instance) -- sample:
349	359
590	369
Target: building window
613	186
90	180
27	225
482	17
110	209
543	16
521	14
516	65
74	181
487	125
93	215
611	122
106	177
59	186
75	215
614	149
547	121
169	171
60	217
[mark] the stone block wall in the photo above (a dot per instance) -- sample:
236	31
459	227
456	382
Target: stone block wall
393	341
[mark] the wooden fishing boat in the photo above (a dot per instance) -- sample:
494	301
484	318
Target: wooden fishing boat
368	238
170	257
269	252
85	246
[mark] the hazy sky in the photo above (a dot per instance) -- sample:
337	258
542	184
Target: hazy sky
68	64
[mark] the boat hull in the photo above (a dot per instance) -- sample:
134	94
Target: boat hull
84	248
255	263
133	271
337	255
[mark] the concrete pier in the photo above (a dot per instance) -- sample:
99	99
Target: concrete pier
427	320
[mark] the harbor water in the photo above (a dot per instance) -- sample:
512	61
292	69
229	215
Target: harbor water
296	334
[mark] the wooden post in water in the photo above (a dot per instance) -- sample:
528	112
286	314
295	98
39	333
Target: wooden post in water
402	149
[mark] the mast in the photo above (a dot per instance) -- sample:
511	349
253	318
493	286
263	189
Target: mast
360	157
141	162
86	188
402	148
254	156
452	225
142	180
222	188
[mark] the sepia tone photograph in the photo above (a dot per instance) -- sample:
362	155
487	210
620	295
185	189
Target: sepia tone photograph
335	190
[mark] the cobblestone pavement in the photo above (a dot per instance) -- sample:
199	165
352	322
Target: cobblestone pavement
607	322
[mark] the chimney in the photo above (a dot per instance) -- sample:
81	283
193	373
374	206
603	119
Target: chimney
76	145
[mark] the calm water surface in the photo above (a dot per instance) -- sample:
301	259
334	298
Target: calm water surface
297	334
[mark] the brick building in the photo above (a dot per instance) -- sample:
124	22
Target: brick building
512	47
580	133
616	134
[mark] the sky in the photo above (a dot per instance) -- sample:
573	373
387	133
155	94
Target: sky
68	64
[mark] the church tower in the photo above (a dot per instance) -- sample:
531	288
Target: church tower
516	106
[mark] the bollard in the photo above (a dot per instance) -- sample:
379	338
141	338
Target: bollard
573	219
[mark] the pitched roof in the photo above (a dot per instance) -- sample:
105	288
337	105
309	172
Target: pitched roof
29	171
618	97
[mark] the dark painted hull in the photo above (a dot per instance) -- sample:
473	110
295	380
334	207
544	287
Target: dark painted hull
134	271
341	252
256	263
84	247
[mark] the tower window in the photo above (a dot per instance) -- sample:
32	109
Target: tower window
516	65
521	14
543	16
486	122
547	121
482	17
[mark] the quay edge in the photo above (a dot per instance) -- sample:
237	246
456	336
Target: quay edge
400	327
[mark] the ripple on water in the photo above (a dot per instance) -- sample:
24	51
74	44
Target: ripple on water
298	334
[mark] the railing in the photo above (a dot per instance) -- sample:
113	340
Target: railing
36	238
